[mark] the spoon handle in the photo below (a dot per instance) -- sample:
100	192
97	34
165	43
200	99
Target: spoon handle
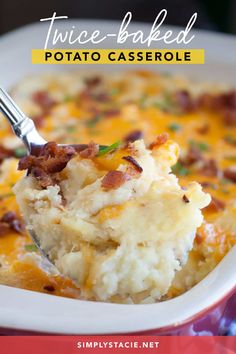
22	126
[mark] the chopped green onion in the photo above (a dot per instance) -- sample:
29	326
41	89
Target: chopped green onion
142	101
200	145
167	104
104	151
31	248
180	170
71	129
174	127
67	98
92	122
115	91
225	181
20	152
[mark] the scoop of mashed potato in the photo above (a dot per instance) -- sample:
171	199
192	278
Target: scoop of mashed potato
117	223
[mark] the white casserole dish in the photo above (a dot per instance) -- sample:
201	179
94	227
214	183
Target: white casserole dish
31	311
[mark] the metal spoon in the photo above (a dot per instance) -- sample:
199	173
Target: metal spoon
25	129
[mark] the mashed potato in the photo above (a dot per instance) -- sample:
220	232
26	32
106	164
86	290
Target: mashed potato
119	227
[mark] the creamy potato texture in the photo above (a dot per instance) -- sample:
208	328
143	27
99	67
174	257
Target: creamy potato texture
77	107
123	243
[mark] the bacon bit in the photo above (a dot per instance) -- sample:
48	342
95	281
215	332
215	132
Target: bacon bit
198	238
10	222
49	288
133	136
39	120
5	153
228	99
230	117
193	155
90	152
43	99
111	112
135	169
230	174
184	100
204	129
224	103
102	97
185	199
114	179
85	95
160	140
92	82
209	168
205	100
207	184
215	205
51	160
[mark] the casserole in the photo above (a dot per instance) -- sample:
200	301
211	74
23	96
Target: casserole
205	301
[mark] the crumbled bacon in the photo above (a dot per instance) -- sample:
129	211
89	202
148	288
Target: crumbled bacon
114	179
184	100
215	205
230	117
90	152
228	99
102	97
43	99
134	169
111	112
161	139
50	160
10	222
49	288
45	102
198	238
204	129
39	120
230	174
185	199
133	136
5	153
193	155
209	168
224	103
206	100
94	81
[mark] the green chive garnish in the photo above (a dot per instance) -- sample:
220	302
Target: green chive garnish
174	127
20	152
180	170
199	145
104	151
31	248
71	129
92	122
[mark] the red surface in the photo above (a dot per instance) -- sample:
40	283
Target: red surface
118	344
